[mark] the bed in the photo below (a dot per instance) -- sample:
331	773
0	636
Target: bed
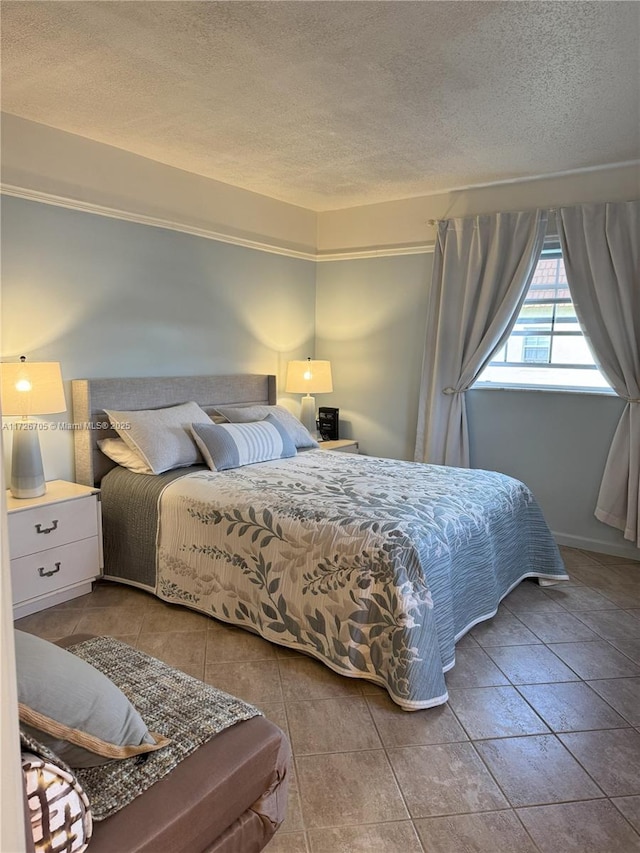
375	567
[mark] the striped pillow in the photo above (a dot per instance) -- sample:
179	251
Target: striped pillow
300	435
226	446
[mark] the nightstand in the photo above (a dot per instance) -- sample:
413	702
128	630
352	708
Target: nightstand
55	542
344	445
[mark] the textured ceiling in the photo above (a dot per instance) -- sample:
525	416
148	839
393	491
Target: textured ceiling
333	104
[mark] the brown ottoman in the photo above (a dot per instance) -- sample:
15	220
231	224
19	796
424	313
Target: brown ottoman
229	796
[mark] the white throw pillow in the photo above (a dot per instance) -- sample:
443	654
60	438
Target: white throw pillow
118	450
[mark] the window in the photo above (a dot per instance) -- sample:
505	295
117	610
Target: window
546	348
537	348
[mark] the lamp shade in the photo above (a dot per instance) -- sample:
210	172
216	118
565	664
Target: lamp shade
32	388
309	377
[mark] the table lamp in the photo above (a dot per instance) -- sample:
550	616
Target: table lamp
309	377
29	388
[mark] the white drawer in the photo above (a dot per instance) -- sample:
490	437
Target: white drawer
42	527
69	564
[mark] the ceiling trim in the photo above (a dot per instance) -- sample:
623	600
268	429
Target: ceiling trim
208	234
154	222
354	254
523	179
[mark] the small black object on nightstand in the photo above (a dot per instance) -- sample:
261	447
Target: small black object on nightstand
328	423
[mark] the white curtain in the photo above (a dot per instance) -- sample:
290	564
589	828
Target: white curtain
601	249
482	269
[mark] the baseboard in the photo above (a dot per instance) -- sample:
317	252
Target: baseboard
119	579
598	545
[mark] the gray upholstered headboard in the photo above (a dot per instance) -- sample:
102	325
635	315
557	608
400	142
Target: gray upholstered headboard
92	396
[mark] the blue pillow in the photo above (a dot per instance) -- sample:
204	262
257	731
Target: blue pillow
226	446
74	709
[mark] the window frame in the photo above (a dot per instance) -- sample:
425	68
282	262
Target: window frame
551	249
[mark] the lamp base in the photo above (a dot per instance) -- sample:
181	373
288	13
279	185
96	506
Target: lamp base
308	414
27	474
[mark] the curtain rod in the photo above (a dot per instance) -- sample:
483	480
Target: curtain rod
434	222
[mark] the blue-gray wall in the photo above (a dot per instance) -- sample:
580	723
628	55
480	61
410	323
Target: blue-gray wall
106	297
112	298
557	443
370	322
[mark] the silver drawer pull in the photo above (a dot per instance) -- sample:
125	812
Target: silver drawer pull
44	574
41	529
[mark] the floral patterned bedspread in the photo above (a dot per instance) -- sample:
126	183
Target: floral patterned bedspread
375	567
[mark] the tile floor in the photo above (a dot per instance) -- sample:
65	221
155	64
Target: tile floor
538	748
